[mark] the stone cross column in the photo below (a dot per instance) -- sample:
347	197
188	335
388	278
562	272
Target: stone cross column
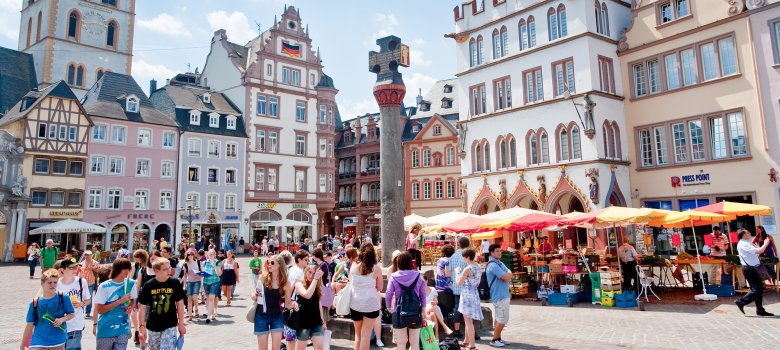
389	92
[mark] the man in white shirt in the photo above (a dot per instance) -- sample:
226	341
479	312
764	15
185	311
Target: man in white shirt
748	257
628	256
485	250
77	290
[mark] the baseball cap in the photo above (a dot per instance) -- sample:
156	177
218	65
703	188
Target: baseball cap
88	252
66	263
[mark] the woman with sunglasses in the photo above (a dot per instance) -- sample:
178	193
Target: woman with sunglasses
312	321
193	282
33	255
272	295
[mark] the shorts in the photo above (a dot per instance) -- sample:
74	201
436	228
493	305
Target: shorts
501	313
289	334
265	324
113	343
358	316
211	289
193	288
165	340
74	341
307	334
457	317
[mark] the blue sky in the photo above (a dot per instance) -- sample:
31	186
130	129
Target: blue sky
173	33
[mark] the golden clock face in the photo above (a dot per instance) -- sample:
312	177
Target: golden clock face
94	23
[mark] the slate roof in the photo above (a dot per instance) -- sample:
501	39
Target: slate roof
17	77
107	99
238	54
325	82
434	98
187	97
32	98
409	134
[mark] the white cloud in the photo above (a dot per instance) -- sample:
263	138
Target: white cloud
236	24
144	71
9	18
415	83
349	110
386	24
165	24
417	56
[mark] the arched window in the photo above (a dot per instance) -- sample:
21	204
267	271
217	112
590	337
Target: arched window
512	152
132	104
531	31
38	27
563	144
533	149
552	23
111	32
599	28
99	74
522	27
605	18
616	140
611	140
576	152
502	160
496	44
478	151
504	42
545	150
80	76
486	149
480	50
74	21
71	74
473	52
563	26
29	32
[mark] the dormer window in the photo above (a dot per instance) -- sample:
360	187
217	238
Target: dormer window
415	128
132	104
214	120
194	118
425	106
231	122
206	98
446	103
447	89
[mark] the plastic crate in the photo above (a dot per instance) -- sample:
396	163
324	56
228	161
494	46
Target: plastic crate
625	296
562	298
726	279
569	268
556	268
721	290
609	302
585	297
543	269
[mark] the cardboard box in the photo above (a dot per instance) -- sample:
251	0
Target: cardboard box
567	288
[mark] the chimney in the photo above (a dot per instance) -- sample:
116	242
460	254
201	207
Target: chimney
419	97
152	86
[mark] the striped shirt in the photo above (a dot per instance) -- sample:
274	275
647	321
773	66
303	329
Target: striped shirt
457	265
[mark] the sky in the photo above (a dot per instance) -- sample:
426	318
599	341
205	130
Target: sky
172	36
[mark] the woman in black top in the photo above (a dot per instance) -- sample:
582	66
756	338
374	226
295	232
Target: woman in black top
272	296
327	290
312	322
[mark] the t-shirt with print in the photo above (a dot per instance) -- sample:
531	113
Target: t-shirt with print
116	321
45	334
211	272
82	293
161	299
443	283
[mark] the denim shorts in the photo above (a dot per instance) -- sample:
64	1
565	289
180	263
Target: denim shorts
211	289
193	288
307	334
74	341
265	323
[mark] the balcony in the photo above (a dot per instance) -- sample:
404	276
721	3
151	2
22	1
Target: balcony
347	205
370	171
370	204
347	175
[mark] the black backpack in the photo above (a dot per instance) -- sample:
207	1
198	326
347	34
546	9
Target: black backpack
408	311
449	344
484	287
60	302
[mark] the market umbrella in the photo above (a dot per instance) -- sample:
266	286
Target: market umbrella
466	225
692	218
446	218
514	212
68	226
532	221
412	219
735	209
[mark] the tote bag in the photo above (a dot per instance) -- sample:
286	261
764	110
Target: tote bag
343	300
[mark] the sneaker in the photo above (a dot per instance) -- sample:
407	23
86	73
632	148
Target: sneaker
740	305
497	343
506	343
379	343
764	313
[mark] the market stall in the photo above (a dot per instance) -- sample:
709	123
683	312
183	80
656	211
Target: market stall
75	232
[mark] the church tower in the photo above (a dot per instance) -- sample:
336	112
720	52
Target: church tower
77	40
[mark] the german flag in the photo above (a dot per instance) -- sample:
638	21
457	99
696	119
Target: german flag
291	50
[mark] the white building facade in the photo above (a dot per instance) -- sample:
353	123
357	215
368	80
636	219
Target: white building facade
289	107
521	66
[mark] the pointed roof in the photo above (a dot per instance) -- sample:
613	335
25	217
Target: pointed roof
107	99
17	77
325	82
34	97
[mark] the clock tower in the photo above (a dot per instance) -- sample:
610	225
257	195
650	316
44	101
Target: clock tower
77	40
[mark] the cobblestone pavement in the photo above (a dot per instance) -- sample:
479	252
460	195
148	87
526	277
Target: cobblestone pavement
689	324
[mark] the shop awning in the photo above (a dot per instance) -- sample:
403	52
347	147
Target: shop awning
68	226
487	235
286	223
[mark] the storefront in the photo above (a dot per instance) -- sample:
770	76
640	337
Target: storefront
213	226
261	223
372	228
39	217
136	229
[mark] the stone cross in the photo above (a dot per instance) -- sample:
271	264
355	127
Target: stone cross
392	54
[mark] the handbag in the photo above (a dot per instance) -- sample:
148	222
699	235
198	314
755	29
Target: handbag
343	300
327	298
428	338
763	273
292	318
250	313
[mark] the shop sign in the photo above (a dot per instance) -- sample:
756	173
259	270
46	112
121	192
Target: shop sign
691	180
266	205
353	220
231	217
768	221
65	213
140	216
300	205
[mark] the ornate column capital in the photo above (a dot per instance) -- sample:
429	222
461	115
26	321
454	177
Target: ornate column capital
389	95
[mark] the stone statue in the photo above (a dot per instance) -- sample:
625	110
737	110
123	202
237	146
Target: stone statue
462	129
464	196
589	106
15	148
502	194
19	186
542	189
593	187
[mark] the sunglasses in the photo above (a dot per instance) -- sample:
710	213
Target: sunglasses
272	263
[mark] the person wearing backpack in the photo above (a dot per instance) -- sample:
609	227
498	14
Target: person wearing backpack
498	276
49	255
405	298
192	280
468	279
47	316
77	289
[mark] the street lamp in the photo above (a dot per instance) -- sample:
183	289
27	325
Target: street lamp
190	213
588	125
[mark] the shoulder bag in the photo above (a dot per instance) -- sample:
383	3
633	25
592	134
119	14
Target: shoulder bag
343	300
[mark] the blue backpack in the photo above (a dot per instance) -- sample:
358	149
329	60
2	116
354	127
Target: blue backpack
408	311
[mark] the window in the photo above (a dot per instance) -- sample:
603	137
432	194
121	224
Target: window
75	75
52	131
194	118
111	35
109	2
300	111
132	104
42	129
502	93
611	140
193	199
95	198
672	67
269	68
323	149
231	150
142	167
697	139
563	144
116	166
727	56
680	143
437	130
286	75
575	143
72	133
96	164
533	85
717	138
645	148
145	137
500	43
323	114
260	179
98	132
57	198
206	97
476	51
213	120
426	157
602	18
300	181
114	199
118	134
606	74
74	23
415	158
323	183
659	135
689	69
544	147
737	134
166	169
564	76
654	77
450	189
438	190
426	190
478	96
272	179
74	199
193	147
193	174
214	147
230	202
415	190
262	105
141	199
212	201
63	134
300	145
449	155
273	106
672	10
76	168
556	22
260	140
709	64
169	139
213	176
166	200
59	167
776	40
640	88
230	176
231	122
38	198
